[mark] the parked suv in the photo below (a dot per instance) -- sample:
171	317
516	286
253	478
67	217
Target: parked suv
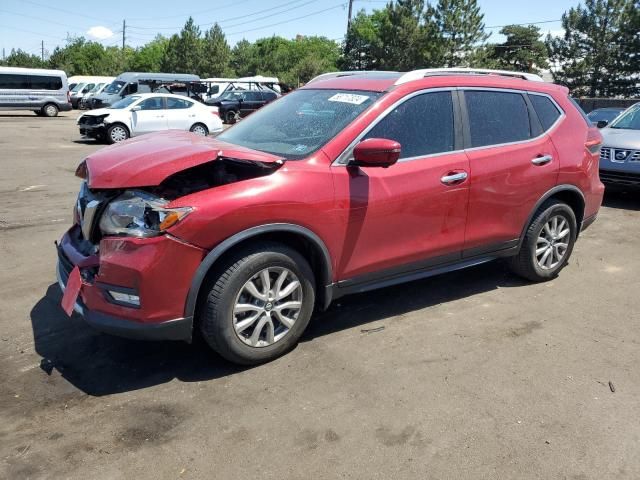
356	181
236	104
620	154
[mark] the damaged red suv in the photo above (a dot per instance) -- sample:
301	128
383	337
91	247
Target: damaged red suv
357	181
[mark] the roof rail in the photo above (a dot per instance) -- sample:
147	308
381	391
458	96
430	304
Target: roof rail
326	76
427	72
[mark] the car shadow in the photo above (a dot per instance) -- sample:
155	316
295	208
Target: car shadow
87	142
621	199
100	364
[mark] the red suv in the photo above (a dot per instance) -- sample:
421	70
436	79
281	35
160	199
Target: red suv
357	181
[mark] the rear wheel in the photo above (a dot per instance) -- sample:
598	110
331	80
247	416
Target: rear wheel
260	304
117	133
200	129
50	110
548	242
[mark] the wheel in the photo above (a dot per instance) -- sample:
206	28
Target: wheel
548	242
230	117
260	304
50	110
117	133
200	129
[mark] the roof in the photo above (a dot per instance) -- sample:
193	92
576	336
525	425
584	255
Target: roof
158	77
380	81
32	71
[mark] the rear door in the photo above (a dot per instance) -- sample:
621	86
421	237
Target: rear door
411	215
180	113
512	162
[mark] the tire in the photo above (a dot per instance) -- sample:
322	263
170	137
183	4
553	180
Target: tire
38	112
50	110
117	133
230	117
199	129
227	291
546	251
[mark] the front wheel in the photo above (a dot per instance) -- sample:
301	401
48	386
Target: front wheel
117	133
200	129
259	304
548	242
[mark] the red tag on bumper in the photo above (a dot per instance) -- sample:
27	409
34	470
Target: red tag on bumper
71	291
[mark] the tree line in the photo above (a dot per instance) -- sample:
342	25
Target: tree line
598	53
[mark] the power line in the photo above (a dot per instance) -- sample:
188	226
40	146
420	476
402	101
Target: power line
69	12
239	16
219	7
524	24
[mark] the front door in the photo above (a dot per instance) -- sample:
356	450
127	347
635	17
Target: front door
151	117
411	215
512	165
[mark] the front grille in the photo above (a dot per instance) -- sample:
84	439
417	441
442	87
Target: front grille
89	120
620	178
605	153
610	154
88	206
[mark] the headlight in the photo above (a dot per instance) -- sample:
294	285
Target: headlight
139	214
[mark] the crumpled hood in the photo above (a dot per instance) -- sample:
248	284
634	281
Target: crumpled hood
621	138
147	160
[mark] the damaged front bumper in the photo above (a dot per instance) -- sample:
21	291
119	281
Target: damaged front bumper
93	131
144	267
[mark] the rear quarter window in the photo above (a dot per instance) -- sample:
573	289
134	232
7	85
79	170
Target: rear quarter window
497	117
546	110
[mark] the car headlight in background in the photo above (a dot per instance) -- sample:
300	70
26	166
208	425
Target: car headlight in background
139	214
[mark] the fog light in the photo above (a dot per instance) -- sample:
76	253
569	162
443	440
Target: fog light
127	298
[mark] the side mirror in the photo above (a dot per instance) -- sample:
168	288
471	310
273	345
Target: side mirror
137	108
376	152
602	123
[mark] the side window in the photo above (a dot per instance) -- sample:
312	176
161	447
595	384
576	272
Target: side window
153	103
178	103
14	82
252	97
546	110
497	117
423	125
41	82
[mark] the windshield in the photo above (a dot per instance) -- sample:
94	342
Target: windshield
96	88
629	120
125	102
78	87
114	87
300	123
608	115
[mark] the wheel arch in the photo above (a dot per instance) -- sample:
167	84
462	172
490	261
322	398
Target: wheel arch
309	244
569	194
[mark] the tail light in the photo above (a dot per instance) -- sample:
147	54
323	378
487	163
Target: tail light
215	111
594	141
68	96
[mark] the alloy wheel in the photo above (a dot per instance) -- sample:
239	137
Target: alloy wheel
552	242
267	306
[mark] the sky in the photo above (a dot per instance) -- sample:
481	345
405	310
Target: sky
26	24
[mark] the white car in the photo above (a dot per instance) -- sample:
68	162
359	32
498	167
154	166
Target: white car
149	112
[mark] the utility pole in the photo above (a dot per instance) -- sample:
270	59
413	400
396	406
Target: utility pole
42	49
350	10
124	28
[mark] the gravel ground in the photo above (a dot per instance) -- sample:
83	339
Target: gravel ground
475	374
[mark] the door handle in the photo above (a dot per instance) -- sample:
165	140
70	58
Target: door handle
542	160
454	178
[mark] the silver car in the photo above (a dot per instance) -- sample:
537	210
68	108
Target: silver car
620	154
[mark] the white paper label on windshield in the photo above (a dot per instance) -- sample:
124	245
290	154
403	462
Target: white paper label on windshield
349	98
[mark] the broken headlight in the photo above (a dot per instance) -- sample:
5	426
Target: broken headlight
139	214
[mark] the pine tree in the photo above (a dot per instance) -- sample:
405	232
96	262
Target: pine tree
460	28
184	52
522	51
216	53
599	52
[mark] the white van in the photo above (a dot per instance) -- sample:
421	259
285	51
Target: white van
44	91
85	84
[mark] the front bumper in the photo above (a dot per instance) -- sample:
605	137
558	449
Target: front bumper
93	131
623	173
159	270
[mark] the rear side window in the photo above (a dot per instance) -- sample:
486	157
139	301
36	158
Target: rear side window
177	103
546	110
45	82
423	125
497	117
